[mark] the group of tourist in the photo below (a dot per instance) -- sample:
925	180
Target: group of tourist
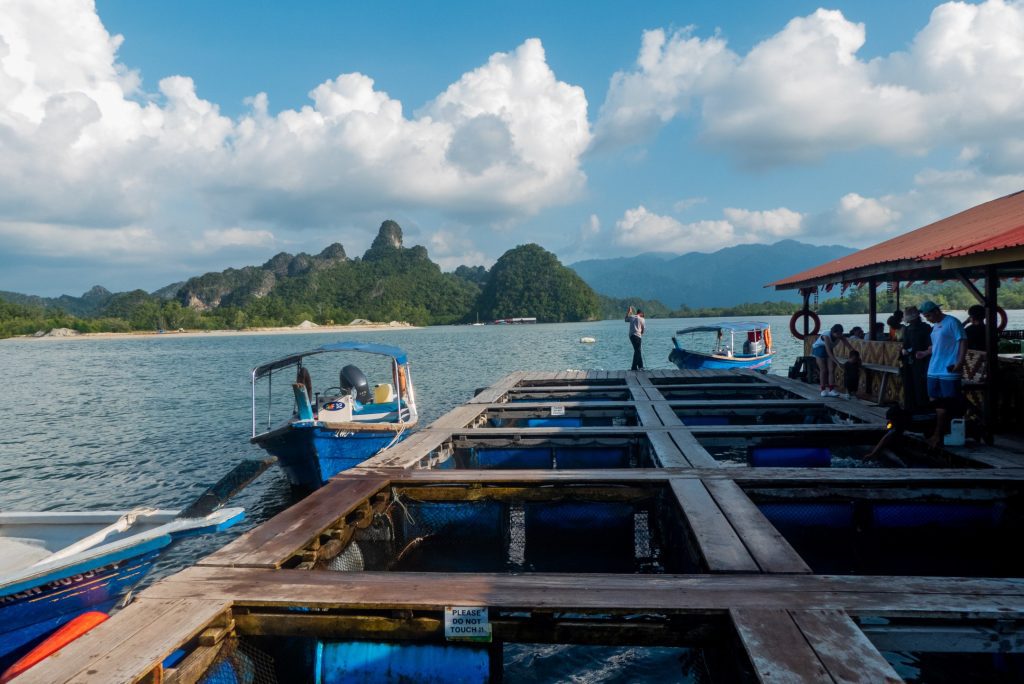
932	357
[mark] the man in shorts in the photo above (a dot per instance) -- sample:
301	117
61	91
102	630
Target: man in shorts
945	366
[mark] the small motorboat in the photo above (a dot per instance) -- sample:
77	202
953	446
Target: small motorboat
340	426
744	344
56	566
588	340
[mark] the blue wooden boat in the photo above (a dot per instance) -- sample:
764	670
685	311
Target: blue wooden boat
340	426
743	344
56	566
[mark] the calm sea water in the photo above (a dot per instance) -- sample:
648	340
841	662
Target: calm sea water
152	421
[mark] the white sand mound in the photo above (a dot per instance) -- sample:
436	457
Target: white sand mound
62	332
360	321
306	325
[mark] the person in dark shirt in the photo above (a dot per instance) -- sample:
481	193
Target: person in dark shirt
851	374
974	328
913	371
895	323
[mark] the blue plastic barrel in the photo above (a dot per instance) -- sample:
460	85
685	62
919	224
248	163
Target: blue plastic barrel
606	457
837	515
513	458
358	662
553	422
951	514
790	457
705	420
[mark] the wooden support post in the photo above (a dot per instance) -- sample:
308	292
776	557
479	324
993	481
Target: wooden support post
872	307
991	352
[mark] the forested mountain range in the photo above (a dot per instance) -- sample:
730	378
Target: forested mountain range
389	282
730	276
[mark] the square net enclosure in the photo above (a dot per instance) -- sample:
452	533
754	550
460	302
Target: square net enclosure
570	529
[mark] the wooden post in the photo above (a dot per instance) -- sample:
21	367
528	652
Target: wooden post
991	352
872	307
807	306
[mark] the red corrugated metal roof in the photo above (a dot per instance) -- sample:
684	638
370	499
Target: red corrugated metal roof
991	226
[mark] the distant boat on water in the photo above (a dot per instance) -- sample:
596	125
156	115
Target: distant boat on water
754	349
514	321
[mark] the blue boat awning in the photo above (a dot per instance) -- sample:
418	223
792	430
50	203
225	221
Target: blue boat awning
367	348
732	326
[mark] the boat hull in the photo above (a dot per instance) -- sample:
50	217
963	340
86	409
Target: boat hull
688	360
28	616
311	454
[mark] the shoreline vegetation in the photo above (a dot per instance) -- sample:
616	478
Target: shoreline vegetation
71	334
390	282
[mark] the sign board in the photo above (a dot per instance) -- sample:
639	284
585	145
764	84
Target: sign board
558	410
466	623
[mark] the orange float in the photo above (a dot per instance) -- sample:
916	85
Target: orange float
53	643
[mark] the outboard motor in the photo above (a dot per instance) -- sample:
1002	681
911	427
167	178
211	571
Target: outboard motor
353	379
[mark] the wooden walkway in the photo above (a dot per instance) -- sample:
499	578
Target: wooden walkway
749	584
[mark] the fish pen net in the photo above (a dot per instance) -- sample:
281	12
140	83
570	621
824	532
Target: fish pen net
239	662
927	536
567	532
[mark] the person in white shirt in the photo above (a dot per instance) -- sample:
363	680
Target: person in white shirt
637	325
823	351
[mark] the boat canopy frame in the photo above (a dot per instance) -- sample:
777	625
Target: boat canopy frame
399	365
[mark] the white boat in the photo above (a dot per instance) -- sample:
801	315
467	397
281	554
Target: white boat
55	566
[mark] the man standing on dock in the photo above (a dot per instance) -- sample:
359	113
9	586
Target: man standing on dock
945	366
636	334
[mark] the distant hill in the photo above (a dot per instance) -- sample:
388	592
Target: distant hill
730	276
89	304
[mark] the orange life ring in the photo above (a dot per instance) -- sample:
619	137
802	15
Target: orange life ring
53	643
1001	319
810	315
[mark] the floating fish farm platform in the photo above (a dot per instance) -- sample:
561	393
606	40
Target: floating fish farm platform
728	519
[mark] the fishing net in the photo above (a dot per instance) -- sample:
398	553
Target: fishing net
239	662
558	535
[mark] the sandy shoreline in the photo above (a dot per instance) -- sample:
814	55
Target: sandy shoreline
376	327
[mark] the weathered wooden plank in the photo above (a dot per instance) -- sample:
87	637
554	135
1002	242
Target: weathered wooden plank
194	665
692	449
894	480
458	417
636	388
855	430
410	453
647	415
666	451
721	547
129	644
769	548
776	648
842	648
276	540
667	415
498	389
894	597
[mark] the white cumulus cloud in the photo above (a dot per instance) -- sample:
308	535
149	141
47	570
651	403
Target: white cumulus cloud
83	148
641	230
806	91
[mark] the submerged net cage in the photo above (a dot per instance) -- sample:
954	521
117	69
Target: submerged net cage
239	662
558	534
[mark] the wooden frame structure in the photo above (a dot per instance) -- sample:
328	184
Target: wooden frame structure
755	592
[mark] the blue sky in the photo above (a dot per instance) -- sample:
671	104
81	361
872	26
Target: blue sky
143	143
